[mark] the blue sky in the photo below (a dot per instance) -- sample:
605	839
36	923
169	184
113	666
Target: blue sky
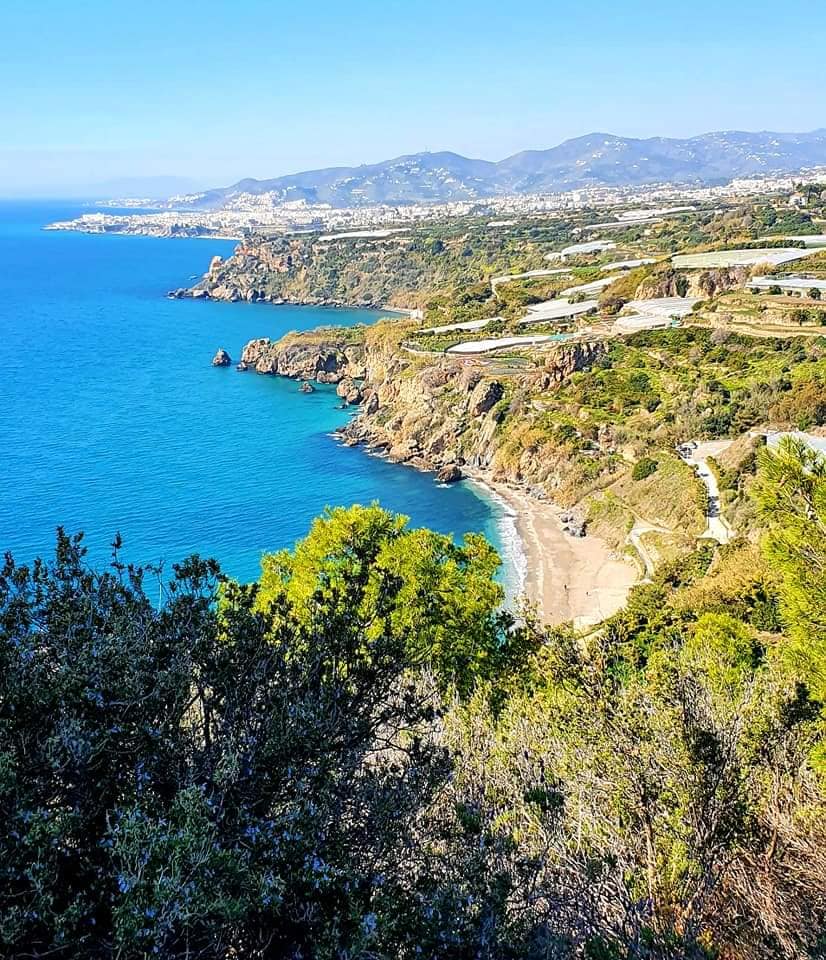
97	91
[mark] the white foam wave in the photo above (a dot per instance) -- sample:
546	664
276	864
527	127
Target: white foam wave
511	547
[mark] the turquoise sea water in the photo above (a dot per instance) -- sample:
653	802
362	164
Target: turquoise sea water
114	420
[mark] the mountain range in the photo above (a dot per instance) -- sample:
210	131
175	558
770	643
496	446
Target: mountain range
598	159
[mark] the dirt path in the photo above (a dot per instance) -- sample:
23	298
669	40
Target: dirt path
635	536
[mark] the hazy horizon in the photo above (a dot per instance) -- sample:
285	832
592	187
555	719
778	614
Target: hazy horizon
207	94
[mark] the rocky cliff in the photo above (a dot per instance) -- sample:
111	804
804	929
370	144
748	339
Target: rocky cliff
343	272
408	269
436	413
326	360
446	414
692	283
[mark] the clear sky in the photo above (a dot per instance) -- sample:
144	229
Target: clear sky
95	91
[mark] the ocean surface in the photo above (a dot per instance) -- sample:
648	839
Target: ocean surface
113	419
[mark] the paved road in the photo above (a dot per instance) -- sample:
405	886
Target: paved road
716	527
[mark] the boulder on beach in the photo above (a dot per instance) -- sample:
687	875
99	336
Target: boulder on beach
221	359
449	473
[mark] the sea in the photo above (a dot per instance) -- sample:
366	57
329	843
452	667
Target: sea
115	422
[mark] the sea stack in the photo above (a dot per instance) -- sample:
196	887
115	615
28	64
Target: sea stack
221	359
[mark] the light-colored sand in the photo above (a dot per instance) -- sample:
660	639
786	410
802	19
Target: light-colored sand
568	578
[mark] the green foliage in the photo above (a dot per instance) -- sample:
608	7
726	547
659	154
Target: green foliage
641	766
644	468
722	653
804	406
363	757
791	496
240	772
440	597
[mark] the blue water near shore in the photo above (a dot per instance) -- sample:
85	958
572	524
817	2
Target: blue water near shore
114	420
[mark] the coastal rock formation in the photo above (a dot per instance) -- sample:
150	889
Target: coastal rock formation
221	359
302	270
444	414
324	361
371	403
449	473
349	391
306	387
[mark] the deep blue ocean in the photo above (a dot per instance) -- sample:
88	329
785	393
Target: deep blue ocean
113	419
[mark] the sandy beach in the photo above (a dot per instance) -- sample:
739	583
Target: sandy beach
577	579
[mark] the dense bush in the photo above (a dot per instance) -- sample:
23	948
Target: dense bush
242	771
363	757
644	468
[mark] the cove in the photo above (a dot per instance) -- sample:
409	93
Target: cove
115	421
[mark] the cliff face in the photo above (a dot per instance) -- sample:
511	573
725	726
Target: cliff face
436	413
326	361
444	414
344	272
694	283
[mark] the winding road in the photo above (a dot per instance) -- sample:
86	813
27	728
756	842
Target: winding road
716	527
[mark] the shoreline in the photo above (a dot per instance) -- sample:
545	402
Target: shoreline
568	579
577	579
57	227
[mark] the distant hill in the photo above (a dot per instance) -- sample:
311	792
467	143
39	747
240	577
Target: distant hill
596	159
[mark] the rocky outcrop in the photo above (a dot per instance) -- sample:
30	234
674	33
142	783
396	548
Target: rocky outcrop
486	394
371	403
566	360
337	272
449	473
445	414
708	283
435	416
221	359
349	391
691	283
303	359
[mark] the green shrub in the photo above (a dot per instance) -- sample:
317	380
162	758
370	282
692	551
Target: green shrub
644	468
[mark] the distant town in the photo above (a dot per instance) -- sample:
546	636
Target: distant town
267	213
